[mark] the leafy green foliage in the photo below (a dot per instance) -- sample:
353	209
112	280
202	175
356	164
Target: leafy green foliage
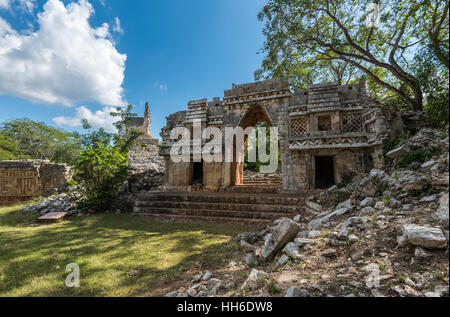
418	155
433	77
255	166
311	41
7	148
102	166
102	169
340	196
27	139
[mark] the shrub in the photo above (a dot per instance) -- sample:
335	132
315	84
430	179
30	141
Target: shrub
102	166
418	155
102	169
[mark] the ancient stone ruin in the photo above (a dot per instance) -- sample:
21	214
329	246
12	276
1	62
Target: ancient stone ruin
22	180
143	124
327	133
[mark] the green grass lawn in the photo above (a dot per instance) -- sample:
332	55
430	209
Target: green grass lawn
118	255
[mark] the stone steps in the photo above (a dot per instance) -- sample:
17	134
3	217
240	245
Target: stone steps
260	188
211	213
187	218
220	206
240	203
223	198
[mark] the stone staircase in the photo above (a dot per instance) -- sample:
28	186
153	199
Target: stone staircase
255	178
242	204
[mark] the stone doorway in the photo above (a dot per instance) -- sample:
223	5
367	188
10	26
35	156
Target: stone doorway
197	173
254	116
324	170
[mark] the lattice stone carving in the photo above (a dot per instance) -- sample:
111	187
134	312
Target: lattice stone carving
299	126
352	122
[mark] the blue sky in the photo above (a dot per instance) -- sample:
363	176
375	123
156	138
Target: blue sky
165	52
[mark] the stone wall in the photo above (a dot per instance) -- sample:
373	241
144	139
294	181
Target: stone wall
337	124
23	180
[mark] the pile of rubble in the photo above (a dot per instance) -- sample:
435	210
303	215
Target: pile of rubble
69	202
384	234
146	173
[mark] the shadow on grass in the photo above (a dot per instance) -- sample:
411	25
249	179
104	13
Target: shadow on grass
118	255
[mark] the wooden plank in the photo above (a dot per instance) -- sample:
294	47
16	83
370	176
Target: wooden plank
52	216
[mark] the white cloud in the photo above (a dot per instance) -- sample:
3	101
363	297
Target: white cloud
4	4
161	86
65	61
117	28
27	5
98	119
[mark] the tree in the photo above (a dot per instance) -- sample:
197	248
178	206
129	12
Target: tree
436	26
29	139
102	166
300	33
7	148
101	169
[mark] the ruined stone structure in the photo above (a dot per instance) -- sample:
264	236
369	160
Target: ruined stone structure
327	133
23	180
143	124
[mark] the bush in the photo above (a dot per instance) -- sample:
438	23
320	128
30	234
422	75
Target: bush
102	169
418	155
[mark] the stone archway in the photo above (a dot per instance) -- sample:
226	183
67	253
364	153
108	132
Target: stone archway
252	116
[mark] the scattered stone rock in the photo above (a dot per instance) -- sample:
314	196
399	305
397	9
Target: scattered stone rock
344	204
424	236
380	205
367	210
353	239
313	234
442	212
394	203
285	232
329	253
429	164
291	249
207	276
297	292
421	254
398	152
367	202
251	260
254	280
317	223
176	294
428	199
283	260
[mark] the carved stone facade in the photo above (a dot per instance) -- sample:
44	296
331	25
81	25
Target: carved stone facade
143	124
23	180
326	133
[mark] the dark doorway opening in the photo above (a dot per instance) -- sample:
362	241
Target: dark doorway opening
324	172
197	175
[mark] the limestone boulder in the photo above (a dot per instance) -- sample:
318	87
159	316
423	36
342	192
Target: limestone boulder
407	181
317	223
254	280
297	292
284	232
442	212
398	152
424	236
367	202
292	250
371	185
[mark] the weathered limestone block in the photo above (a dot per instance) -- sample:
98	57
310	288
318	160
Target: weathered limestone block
285	232
424	236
